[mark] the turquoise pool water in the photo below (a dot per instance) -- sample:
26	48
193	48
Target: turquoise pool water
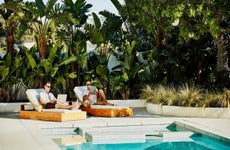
174	137
196	143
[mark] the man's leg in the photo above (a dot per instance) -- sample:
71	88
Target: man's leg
101	96
63	106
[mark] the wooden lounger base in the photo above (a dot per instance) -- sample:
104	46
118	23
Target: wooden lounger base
109	112
53	116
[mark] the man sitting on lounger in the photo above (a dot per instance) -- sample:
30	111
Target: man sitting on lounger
93	96
49	101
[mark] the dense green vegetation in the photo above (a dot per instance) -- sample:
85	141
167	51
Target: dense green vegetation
154	42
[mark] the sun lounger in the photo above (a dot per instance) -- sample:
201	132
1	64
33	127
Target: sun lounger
35	110
103	110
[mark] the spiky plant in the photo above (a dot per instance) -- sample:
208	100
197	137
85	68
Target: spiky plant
189	96
172	96
147	94
214	100
226	99
156	95
161	94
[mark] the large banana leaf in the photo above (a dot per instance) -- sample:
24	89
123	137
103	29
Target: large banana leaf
72	75
47	65
54	71
53	53
4	71
95	34
32	61
69	60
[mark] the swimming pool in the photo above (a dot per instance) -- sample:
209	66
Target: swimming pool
164	137
197	143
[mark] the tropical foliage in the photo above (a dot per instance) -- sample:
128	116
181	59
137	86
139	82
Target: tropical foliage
149	42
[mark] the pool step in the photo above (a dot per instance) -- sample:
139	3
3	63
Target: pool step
68	141
113	137
125	134
146	129
60	131
177	136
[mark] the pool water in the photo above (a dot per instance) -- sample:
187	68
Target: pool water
174	137
196	143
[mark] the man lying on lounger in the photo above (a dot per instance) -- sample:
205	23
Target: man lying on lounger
49	101
92	96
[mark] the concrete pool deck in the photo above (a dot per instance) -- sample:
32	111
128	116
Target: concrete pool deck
24	134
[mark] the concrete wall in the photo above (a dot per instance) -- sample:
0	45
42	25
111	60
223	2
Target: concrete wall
10	107
129	102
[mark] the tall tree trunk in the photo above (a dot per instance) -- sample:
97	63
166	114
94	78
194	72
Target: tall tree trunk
222	52
160	38
42	47
10	39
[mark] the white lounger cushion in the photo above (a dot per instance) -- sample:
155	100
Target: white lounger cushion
108	107
79	91
60	110
33	95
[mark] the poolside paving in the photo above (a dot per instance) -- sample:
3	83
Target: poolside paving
25	134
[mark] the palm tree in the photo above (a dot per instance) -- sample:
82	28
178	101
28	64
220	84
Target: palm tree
42	21
10	17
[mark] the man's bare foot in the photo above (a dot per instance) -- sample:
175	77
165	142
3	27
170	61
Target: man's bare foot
86	104
76	106
109	104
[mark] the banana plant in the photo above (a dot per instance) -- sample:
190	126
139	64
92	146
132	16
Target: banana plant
105	36
72	20
125	75
11	74
54	68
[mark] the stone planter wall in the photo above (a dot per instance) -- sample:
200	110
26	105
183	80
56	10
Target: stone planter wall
129	102
10	107
178	111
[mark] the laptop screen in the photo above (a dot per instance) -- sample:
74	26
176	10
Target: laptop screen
61	98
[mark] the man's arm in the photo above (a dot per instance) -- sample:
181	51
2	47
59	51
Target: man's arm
86	96
42	99
52	97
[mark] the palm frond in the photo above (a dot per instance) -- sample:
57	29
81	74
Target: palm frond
97	21
117	4
41	7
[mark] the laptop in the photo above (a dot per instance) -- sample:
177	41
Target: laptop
61	98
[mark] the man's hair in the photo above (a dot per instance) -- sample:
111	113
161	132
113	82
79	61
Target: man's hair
47	82
87	82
